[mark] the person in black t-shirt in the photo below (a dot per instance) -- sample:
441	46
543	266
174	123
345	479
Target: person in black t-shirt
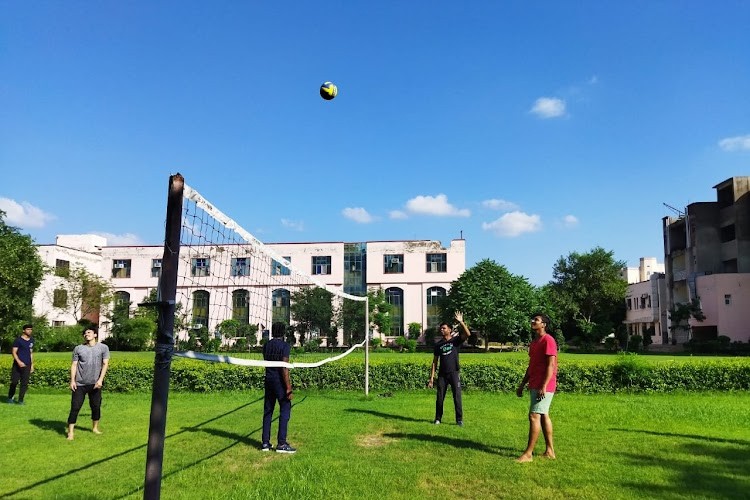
278	387
446	351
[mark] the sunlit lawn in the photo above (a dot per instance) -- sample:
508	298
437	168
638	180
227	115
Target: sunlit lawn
679	445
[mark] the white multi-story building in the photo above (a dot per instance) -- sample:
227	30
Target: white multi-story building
646	300
221	282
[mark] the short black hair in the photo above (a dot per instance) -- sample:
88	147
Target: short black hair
27	325
92	328
278	329
446	324
545	320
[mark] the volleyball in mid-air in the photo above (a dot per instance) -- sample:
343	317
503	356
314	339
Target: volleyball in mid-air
328	91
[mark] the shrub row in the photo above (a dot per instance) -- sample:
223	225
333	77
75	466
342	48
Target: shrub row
628	373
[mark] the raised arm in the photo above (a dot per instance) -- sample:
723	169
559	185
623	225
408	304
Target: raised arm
465	334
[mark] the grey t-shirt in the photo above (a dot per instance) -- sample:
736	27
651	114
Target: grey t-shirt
90	360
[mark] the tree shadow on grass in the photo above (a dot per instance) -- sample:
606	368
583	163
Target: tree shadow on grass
86	468
463	444
389	416
686	436
710	470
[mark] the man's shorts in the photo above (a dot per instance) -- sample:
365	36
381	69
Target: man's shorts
540	405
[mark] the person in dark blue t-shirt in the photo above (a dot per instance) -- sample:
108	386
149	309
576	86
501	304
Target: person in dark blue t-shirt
446	352
278	387
23	364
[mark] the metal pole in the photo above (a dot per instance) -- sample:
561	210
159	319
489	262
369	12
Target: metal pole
367	346
166	297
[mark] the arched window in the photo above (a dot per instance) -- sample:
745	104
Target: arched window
395	297
434	296
121	304
280	306
200	308
240	309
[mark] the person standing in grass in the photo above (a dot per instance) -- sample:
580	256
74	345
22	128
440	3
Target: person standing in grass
23	364
446	353
90	363
278	387
541	377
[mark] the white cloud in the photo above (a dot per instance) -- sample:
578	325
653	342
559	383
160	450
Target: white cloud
24	214
358	214
570	221
502	205
126	239
593	80
435	205
291	224
397	214
739	143
514	224
548	107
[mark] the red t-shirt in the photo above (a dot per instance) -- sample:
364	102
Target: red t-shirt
539	349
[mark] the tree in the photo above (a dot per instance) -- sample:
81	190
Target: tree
312	310
232	328
86	295
680	314
379	311
21	272
495	302
352	319
591	293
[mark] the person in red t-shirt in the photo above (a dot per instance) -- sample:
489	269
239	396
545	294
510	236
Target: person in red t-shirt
541	376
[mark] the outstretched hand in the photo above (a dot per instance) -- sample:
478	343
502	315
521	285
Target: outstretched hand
459	316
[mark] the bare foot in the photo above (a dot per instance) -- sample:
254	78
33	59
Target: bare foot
96	431
524	458
549	455
70	437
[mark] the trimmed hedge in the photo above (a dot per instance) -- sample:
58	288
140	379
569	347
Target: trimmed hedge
627	373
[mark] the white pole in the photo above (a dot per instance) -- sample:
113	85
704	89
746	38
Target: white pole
367	346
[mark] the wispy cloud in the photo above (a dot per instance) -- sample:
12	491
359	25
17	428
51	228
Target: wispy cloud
435	205
593	80
514	224
358	214
738	143
293	224
24	214
126	239
548	107
397	214
501	205
570	221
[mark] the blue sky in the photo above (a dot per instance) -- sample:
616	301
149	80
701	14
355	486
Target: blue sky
533	129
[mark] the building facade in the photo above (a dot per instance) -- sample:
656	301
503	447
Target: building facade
646	300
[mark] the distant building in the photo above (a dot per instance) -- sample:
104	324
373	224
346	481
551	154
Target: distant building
646	300
707	257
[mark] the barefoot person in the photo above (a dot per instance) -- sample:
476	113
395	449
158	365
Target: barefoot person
446	354
541	376
90	363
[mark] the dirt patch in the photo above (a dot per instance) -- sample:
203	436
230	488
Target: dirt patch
374	440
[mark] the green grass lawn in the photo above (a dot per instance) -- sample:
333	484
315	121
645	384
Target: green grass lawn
679	445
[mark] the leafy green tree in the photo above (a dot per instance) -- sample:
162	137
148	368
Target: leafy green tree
87	295
680	314
21	272
379	310
352	319
312	310
590	293
414	329
494	301
232	328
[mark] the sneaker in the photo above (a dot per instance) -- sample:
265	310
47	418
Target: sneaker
266	447
285	448
436	422
460	423
10	401
20	403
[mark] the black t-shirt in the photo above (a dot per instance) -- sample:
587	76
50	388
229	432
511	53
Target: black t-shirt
276	350
447	350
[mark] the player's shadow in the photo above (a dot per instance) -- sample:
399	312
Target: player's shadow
57	426
741	442
456	443
389	416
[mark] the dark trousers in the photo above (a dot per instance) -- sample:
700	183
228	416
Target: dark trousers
17	373
276	391
444	380
76	402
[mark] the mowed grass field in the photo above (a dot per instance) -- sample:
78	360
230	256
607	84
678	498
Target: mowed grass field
677	445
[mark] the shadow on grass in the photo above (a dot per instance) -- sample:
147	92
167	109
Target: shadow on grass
389	416
709	470
58	426
49	425
463	444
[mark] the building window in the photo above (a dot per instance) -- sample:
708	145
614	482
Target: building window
643	303
155	268
629	304
434	297
393	263
321	264
62	268
278	269
240	266
727	233
121	268
437	262
58	324
395	297
121	305
280	300
200	308
729	266
240	309
60	298
728	300
201	267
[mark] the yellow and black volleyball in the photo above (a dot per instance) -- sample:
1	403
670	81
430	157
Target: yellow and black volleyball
328	91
